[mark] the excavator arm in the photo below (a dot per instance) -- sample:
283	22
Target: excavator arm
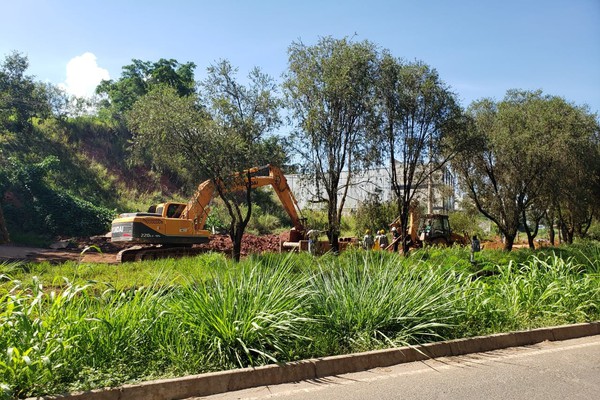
271	175
197	208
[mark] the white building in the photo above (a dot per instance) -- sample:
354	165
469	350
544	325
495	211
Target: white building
374	182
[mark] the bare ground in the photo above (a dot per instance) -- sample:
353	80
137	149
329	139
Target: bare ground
86	250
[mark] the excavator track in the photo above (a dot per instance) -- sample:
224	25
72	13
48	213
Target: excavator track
141	253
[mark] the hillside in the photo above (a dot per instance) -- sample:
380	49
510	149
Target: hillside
70	177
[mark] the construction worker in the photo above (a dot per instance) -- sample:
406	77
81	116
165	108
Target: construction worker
383	240
313	237
396	238
376	241
368	240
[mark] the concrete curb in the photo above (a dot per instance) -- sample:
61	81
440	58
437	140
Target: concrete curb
226	381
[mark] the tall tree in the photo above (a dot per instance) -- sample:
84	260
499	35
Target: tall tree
215	140
140	77
528	154
573	191
21	98
490	174
421	128
330	93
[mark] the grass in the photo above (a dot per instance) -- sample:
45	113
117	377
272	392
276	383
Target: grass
372	302
120	276
249	316
84	326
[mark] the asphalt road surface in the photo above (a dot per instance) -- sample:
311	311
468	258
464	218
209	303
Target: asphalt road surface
551	370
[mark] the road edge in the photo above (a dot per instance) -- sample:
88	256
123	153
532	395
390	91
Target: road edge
238	379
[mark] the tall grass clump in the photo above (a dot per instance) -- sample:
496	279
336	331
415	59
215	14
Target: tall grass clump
455	258
587	254
373	301
73	339
538	292
252	315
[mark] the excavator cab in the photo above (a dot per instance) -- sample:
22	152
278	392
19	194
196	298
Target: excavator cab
435	229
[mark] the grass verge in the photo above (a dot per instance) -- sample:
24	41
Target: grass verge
83	326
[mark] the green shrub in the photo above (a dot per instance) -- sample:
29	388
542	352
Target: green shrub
374	214
262	223
463	222
249	317
48	210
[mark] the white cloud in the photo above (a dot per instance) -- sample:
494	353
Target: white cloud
83	75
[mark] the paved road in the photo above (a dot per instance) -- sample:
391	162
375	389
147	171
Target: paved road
551	370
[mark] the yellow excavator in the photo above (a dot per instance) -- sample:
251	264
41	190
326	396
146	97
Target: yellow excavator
171	229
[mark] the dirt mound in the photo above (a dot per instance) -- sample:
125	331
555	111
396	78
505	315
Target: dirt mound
251	244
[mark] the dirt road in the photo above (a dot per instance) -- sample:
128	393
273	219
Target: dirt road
11	253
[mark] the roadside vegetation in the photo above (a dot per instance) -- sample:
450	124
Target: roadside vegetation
529	163
83	326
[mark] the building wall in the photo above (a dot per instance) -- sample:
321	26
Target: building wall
376	182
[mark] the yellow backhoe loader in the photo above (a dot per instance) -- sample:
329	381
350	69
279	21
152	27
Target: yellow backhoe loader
429	229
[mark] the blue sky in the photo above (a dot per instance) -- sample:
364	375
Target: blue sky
480	48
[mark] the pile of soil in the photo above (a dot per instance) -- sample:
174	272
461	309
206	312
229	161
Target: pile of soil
251	244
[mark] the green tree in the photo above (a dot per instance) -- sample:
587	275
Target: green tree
531	157
140	77
214	141
63	105
21	98
489	173
330	93
572	193
421	127
374	214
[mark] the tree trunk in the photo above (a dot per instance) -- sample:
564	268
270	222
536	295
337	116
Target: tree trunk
404	233
238	223
236	235
333	229
583	227
333	233
551	232
509	240
530	241
4	238
567	234
530	235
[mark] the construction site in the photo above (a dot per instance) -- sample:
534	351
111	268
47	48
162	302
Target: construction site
173	229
